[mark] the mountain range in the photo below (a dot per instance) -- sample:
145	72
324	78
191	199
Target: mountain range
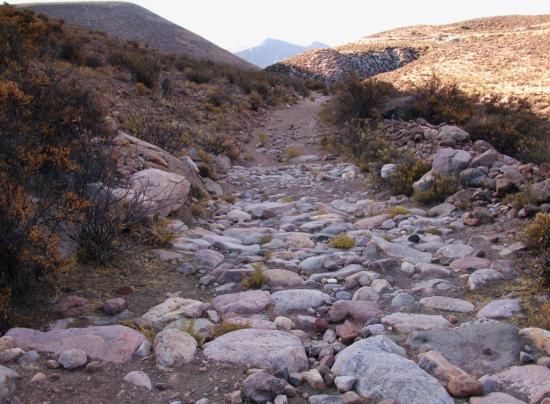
272	51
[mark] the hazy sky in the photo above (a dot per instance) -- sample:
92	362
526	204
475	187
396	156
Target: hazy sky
237	24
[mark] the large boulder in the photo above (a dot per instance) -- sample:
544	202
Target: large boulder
173	348
134	155
249	302
286	301
163	192
541	190
478	347
172	309
451	134
450	162
113	343
384	373
266	349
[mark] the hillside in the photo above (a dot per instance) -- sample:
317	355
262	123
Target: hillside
274	50
497	55
132	22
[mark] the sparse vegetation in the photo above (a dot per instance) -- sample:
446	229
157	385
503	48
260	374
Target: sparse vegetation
394	211
342	241
356	99
292	152
224	328
262	137
442	187
265	239
257	279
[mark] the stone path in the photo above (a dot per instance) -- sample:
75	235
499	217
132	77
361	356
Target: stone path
385	318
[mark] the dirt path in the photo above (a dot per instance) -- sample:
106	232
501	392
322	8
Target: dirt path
398	272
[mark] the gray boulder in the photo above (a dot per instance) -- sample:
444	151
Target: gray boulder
450	162
384	373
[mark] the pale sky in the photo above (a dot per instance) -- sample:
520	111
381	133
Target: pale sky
238	24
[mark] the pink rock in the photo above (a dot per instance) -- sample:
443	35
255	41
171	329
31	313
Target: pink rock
370	223
470	263
114	306
530	383
249	302
113	343
347	332
358	310
72	305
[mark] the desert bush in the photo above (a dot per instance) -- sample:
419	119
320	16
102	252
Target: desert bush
439	101
263	138
292	152
522	198
394	211
255	100
537	233
356	99
342	241
442	187
218	143
144	67
51	140
166	87
409	170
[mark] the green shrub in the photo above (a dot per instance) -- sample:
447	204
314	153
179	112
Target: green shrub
442	187
342	241
356	99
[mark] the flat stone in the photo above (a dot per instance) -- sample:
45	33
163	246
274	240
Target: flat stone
447	304
455	251
496	398
71	306
266	349
433	270
384	373
401	251
248	235
366	293
209	258
370	223
483	278
469	263
313	265
409	322
530	383
339	274
478	347
357	310
113	343
173	348
139	379
502	308
283	277
249	302
230	244
402	300
286	301
172	309
261	387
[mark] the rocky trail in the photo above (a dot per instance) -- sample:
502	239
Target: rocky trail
410	306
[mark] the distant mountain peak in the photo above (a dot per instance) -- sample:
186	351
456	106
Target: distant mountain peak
273	50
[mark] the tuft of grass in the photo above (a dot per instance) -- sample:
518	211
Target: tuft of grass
397	210
257	279
141	89
342	241
262	136
287	199
199	208
149	333
442	187
190	329
229	198
292	152
265	239
224	328
434	230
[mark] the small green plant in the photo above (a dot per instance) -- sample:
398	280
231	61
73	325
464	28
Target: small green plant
397	210
224	328
266	238
262	137
441	188
342	241
257	279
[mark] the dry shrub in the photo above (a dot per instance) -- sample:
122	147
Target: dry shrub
145	68
342	241
255	100
442	187
256	280
356	99
409	170
537	233
224	328
397	210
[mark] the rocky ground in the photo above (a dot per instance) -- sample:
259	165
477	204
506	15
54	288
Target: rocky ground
267	304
